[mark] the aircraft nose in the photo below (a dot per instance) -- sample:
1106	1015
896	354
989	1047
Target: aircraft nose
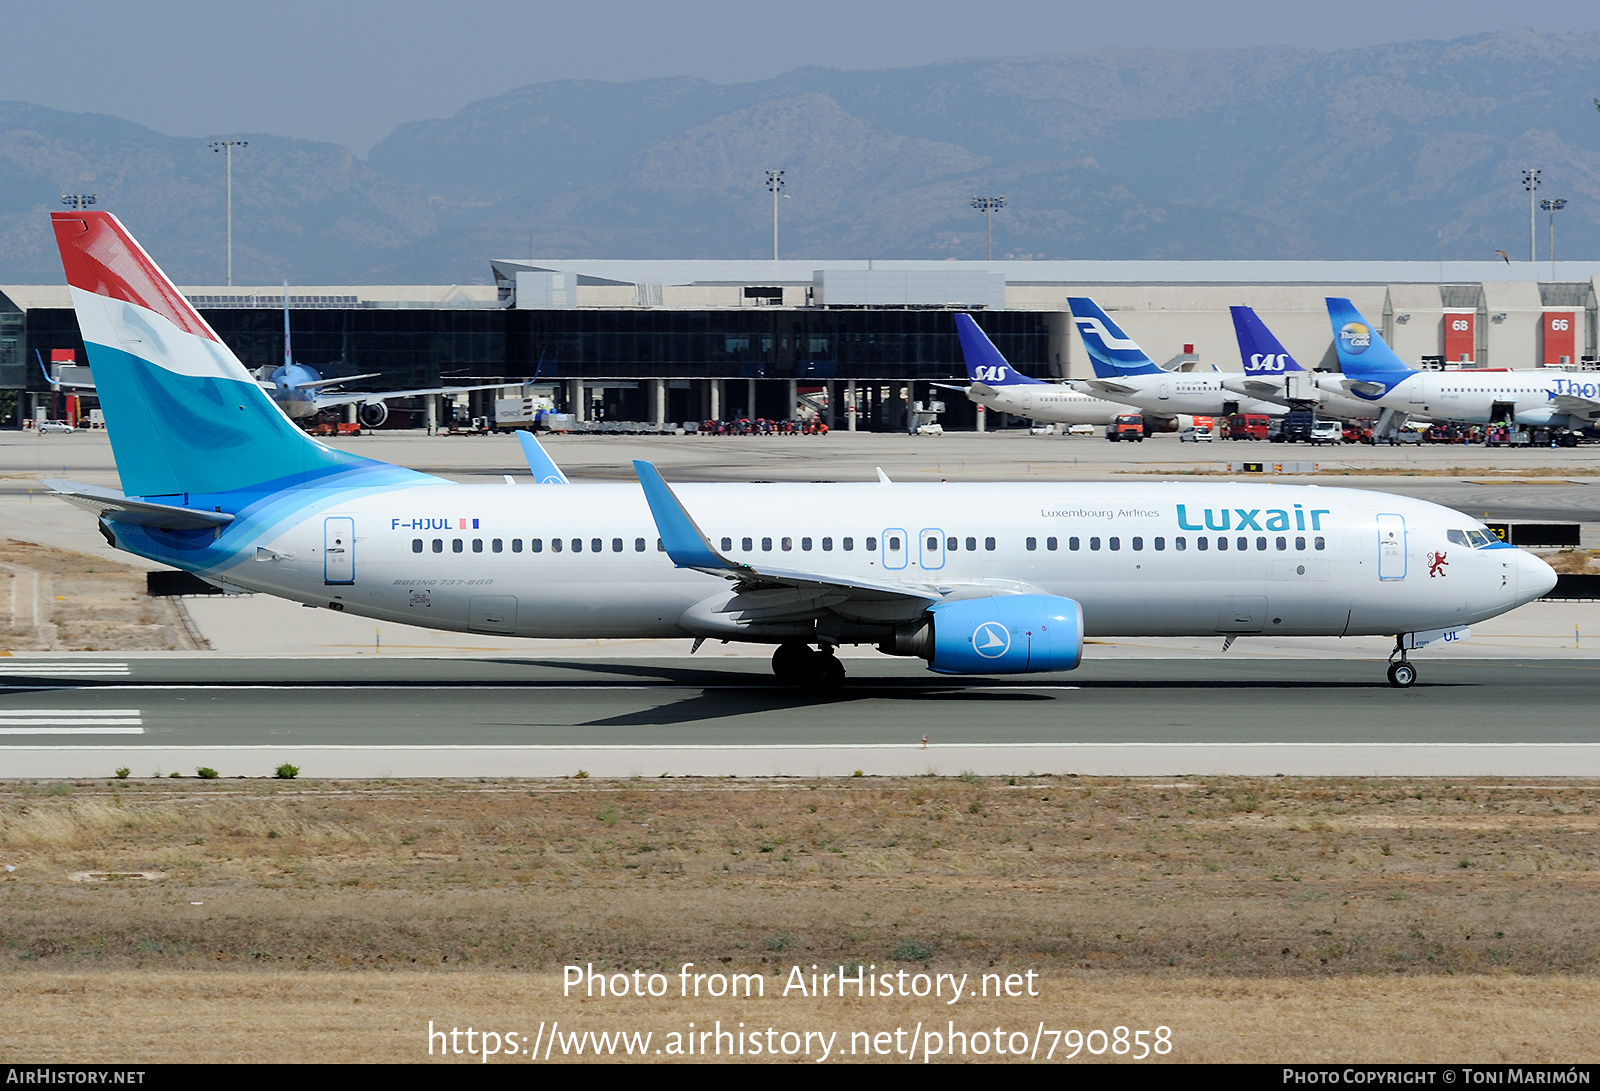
1534	577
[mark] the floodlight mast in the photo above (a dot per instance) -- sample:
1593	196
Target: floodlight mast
988	206
227	146
1530	182
1552	205
79	201
775	184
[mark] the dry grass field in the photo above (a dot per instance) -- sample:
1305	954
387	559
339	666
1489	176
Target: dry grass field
60	600
1260	920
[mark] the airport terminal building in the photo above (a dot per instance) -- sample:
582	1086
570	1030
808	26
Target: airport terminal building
671	341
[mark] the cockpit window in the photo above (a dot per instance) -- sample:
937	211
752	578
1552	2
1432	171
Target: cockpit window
1459	537
1472	539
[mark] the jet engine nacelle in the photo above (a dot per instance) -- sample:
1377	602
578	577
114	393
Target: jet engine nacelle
373	414
1006	634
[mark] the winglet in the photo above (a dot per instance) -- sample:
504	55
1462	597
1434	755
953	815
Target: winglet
540	464
684	541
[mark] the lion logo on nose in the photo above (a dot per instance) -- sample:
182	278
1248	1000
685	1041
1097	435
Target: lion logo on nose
1437	565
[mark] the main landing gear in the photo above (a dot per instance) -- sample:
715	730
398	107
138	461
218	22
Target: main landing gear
1402	675
800	665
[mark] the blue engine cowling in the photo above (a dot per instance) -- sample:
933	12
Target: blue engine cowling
1006	634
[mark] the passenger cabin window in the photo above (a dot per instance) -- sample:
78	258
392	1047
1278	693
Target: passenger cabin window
1282	544
894	543
1320	542
1050	543
988	543
1094	543
416	545
555	545
516	545
827	545
786	544
498	546
1031	544
1201	544
972	545
952	544
848	543
727	545
438	545
455	545
805	544
638	545
536	545
1180	544
477	545
616	545
872	545
1115	543
766	545
746	544
1161	544
577	545
1072	544
1138	544
596	545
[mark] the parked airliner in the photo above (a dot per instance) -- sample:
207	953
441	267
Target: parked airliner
1272	374
1125	373
996	385
1373	373
301	391
974	578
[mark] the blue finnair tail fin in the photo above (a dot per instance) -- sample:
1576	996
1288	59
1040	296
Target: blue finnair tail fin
183	414
1112	352
1259	348
1362	353
984	362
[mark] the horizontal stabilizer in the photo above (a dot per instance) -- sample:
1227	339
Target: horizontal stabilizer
111	504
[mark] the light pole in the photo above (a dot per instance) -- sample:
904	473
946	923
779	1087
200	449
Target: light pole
227	147
1530	182
79	201
989	205
775	184
1552	205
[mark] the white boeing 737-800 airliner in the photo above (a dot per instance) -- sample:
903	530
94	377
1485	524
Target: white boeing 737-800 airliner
976	579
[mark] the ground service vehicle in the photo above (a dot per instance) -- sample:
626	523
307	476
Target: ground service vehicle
1127	426
1248	426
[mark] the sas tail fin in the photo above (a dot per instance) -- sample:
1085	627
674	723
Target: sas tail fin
1259	347
183	414
1362	352
984	362
1112	352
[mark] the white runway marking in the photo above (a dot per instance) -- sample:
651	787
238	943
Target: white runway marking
71	721
85	669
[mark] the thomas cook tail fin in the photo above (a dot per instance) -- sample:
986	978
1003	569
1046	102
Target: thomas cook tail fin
183	414
1363	355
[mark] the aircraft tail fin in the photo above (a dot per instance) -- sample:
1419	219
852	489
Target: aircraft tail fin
984	362
1112	352
183	414
1259	347
1362	352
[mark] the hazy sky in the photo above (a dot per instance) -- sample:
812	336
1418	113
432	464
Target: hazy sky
349	72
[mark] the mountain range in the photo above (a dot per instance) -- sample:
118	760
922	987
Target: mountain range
1411	150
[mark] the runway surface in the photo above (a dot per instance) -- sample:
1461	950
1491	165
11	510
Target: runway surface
424	717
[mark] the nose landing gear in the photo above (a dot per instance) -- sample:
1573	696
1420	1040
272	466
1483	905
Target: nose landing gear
1402	675
800	665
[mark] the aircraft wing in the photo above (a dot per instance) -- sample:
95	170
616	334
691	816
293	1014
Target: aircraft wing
111	504
1104	388
1574	406
328	401
778	594
318	384
1255	388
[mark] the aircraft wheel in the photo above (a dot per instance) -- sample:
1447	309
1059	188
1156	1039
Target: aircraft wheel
828	674
1402	675
792	662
